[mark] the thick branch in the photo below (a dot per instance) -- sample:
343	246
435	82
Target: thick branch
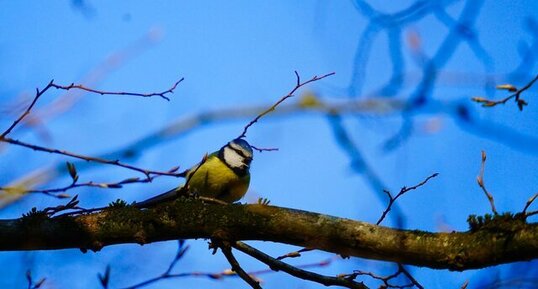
506	241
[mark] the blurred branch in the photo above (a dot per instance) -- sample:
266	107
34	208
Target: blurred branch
393	24
116	59
188	218
528	52
84	7
148	173
31	283
51	84
104	279
181	250
358	162
404	132
467	119
460	30
210	275
309	103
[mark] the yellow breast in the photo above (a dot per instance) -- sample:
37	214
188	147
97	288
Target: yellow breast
214	179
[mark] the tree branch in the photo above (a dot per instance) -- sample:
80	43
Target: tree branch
298	85
516	95
277	265
147	173
161	94
497	241
227	251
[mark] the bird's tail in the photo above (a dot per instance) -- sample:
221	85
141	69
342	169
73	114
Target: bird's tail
164	197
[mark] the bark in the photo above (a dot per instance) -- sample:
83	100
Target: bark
500	240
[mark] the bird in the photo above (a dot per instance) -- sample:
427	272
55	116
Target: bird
223	175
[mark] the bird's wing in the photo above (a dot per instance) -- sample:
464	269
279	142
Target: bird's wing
164	197
173	193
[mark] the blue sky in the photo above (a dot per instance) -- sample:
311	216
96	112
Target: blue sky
238	54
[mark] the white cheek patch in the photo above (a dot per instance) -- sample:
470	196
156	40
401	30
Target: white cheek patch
241	149
232	158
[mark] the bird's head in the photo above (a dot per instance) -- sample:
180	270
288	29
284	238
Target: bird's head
237	154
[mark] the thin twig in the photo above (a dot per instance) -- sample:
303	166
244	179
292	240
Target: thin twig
28	109
101	92
71	205
294	254
104	279
39	93
181	250
214	275
402	269
516	95
147	173
176	275
527	205
227	251
480	181
55	191
298	85
402	191
278	265
531	213
386	279
31	283
263	149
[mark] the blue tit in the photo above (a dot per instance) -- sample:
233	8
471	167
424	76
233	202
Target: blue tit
222	175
